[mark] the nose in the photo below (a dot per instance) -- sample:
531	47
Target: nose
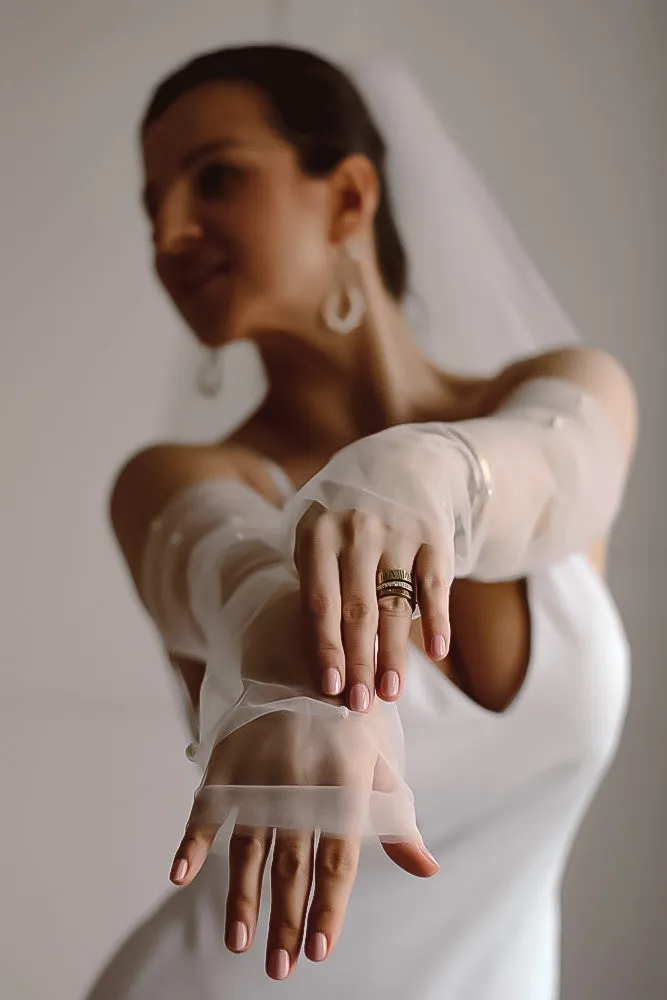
176	227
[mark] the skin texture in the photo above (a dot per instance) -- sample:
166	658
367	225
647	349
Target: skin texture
248	247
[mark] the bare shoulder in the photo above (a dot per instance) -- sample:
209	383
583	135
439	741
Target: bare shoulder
597	373
153	476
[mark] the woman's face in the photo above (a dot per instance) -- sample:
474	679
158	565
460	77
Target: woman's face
244	241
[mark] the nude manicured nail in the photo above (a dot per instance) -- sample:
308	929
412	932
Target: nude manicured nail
331	682
317	947
179	870
389	684
237	936
360	699
438	647
425	851
278	967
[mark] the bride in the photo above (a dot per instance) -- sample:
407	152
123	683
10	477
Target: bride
383	592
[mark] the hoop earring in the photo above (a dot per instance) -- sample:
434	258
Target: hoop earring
209	376
347	291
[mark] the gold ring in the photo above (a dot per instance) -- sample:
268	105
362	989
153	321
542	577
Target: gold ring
396	583
394	576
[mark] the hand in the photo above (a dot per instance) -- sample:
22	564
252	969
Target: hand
253	754
338	556
288	750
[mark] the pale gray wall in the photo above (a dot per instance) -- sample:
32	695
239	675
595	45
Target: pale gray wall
561	103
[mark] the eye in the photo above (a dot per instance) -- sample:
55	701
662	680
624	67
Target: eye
216	180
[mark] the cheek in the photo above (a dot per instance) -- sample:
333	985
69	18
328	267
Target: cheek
303	267
291	256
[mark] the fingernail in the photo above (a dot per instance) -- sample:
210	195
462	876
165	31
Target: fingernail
317	947
331	682
179	870
438	647
389	684
278	967
360	699
237	936
425	851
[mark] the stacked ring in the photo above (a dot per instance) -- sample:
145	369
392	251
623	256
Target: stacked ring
396	583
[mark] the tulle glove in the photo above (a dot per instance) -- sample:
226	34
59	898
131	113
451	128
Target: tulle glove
204	554
219	586
499	497
286	757
304	781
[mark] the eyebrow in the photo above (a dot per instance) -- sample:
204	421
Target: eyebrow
188	161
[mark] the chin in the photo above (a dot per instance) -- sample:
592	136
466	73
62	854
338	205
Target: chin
219	332
211	329
229	322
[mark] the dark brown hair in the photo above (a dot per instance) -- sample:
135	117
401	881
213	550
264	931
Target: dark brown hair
316	108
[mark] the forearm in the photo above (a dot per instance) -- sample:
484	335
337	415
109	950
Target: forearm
539	480
503	495
212	556
279	617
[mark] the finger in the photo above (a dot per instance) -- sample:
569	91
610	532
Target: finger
394	624
317	565
363	542
291	878
193	851
335	871
412	857
248	851
433	585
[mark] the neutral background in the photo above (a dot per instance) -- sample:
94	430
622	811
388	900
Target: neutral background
562	105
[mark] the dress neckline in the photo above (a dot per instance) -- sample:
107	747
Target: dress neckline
281	480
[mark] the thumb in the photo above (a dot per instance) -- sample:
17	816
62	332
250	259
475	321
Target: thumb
413	857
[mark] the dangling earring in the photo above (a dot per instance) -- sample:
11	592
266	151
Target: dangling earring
346	292
209	376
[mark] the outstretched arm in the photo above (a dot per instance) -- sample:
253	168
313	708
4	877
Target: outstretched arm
498	497
206	558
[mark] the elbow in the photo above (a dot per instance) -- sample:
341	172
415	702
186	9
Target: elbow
608	380
601	376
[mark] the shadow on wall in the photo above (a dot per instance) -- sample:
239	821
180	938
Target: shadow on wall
193	417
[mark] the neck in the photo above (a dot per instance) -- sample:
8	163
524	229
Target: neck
328	390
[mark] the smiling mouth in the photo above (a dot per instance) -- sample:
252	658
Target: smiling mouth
203	283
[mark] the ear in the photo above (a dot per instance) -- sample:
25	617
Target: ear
356	195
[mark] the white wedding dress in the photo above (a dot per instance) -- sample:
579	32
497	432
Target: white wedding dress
499	799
